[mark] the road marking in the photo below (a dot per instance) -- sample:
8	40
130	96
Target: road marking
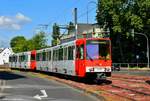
42	96
2	84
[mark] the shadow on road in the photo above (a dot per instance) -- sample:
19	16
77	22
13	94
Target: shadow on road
5	75
2	97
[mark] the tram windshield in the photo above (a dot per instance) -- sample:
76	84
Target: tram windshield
98	49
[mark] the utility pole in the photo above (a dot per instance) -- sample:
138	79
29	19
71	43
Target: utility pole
147	40
75	22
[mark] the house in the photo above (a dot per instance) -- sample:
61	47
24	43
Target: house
4	55
85	30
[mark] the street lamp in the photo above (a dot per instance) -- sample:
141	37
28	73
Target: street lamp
91	2
147	45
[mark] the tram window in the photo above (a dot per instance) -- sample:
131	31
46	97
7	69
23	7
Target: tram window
32	56
65	54
16	58
10	59
26	57
37	56
19	59
70	52
44	56
55	55
49	55
61	54
23	58
80	52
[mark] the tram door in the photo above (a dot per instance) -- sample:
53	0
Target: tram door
80	60
33	60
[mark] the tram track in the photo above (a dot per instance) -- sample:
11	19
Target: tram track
128	89
135	78
125	92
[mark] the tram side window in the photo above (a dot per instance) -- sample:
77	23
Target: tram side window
37	57
26	57
54	55
23	58
80	52
57	54
61	54
44	56
10	59
20	58
15	58
70	52
65	54
49	55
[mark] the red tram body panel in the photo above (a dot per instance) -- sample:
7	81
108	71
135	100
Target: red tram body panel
84	66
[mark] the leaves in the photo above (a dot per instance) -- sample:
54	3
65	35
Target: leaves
55	34
20	44
120	16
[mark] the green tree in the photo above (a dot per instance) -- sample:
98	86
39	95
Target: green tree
71	27
18	44
55	34
120	16
38	41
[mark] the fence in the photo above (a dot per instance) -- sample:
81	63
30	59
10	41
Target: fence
131	65
5	66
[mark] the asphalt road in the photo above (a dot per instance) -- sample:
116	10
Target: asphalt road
21	86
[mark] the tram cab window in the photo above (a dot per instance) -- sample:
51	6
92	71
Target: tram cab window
80	52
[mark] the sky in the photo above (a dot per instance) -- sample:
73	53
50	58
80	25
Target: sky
25	17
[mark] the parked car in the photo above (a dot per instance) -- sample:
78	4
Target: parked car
115	67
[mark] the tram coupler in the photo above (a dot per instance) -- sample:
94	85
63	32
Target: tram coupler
101	76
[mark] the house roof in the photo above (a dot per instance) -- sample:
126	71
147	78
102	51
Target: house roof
1	50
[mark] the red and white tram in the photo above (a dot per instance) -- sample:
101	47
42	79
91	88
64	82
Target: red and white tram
85	57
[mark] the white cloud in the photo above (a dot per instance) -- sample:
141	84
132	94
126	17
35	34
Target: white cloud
16	26
20	17
13	22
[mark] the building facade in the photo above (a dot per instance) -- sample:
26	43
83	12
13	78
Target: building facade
4	55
